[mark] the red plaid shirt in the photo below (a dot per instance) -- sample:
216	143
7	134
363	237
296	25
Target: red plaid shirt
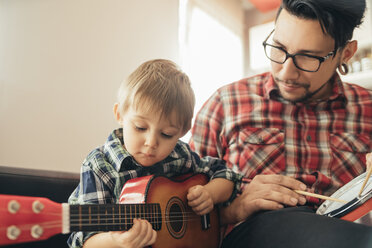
323	144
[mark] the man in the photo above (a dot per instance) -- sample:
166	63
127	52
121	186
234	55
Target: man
298	127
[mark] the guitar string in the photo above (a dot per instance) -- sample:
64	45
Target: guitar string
102	211
124	217
116	221
4	210
187	216
57	224
104	222
173	214
190	213
152	220
128	216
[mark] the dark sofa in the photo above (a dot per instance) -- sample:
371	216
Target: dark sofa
56	186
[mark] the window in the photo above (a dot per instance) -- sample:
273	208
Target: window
211	52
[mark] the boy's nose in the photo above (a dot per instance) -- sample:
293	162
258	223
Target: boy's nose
151	141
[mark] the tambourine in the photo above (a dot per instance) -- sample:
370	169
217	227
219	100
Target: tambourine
357	208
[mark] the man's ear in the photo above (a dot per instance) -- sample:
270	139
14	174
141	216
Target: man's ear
349	51
117	113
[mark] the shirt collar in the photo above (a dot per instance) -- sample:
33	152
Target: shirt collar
271	90
114	149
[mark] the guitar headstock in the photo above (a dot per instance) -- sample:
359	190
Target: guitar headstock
26	219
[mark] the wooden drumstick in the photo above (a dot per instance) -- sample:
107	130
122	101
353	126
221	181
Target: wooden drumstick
319	196
366	179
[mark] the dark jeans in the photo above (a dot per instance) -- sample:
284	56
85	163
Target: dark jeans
298	227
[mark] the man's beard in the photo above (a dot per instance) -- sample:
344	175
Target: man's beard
307	94
303	98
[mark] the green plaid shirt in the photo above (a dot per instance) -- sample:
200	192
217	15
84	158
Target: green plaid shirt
107	168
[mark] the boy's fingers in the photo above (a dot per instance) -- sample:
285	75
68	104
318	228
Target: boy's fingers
136	228
197	201
203	209
142	230
151	235
194	192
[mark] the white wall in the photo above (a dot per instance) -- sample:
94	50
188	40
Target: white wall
61	63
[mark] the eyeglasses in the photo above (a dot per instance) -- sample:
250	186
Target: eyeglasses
304	62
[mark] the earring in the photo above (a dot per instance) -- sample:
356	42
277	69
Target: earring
343	69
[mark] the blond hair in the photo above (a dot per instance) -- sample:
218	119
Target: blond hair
159	85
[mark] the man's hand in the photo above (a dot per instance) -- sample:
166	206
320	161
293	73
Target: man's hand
264	192
369	160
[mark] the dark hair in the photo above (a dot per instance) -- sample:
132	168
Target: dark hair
338	18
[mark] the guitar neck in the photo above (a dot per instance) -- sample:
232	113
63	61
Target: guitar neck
112	217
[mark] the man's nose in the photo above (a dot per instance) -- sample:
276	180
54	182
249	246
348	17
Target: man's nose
289	71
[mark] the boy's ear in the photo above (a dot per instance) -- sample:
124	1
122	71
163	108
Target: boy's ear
184	132
117	113
186	129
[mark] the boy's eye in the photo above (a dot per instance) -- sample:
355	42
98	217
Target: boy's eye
140	128
168	136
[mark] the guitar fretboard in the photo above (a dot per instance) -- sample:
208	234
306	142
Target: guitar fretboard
112	217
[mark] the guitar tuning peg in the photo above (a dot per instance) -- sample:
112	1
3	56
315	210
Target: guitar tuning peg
13	232
13	206
37	207
36	231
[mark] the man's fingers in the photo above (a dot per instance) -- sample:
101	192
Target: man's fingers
369	160
285	181
288	195
275	188
281	195
246	206
263	204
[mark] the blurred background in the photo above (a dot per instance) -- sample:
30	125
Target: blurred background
61	63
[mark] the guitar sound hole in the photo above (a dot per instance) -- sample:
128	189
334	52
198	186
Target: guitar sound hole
175	217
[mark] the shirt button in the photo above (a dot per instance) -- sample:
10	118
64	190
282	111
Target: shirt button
308	138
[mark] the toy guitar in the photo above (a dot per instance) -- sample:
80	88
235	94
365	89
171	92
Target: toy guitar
160	200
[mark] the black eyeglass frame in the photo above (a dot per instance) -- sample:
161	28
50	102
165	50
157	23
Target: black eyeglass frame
293	56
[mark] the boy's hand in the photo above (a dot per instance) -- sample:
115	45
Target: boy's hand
200	200
140	235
